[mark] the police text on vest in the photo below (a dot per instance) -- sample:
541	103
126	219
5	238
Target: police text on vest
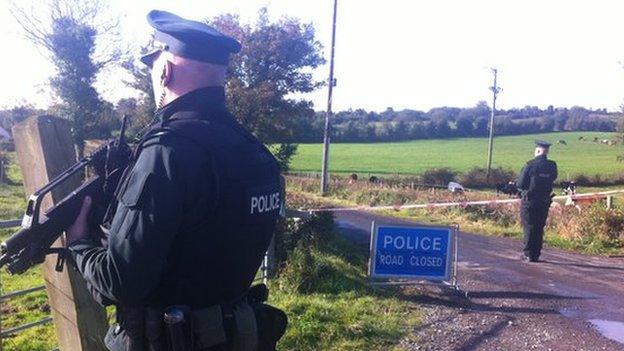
265	203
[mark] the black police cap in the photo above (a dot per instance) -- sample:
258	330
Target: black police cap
542	143
189	39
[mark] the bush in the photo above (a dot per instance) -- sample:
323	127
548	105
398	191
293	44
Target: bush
501	215
310	270
594	227
380	196
308	232
438	176
476	177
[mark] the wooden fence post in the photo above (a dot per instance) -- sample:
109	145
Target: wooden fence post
44	149
609	202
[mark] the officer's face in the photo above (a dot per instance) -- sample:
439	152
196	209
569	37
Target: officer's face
158	71
540	151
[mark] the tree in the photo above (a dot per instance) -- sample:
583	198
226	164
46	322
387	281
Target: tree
481	126
69	42
463	126
275	62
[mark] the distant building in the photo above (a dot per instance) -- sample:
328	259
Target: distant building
4	134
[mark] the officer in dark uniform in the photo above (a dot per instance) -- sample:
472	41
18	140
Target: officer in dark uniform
535	184
196	209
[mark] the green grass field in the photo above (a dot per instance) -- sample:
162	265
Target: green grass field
461	154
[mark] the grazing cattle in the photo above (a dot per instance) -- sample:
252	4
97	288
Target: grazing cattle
581	138
561	142
568	187
605	141
595	139
612	143
373	180
507	188
353	178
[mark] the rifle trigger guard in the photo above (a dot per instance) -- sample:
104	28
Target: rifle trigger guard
61	258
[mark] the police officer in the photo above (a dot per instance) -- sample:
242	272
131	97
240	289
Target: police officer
196	209
535	184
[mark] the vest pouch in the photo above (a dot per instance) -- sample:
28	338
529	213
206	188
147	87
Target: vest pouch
246	331
208	328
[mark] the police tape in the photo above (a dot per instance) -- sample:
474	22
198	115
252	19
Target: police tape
432	205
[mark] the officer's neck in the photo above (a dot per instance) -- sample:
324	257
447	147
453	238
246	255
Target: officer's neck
174	93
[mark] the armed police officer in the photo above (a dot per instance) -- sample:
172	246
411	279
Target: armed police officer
196	210
535	184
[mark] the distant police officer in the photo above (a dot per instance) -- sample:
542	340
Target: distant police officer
535	184
196	210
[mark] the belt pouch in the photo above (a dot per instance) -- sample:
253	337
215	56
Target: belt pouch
208	328
246	330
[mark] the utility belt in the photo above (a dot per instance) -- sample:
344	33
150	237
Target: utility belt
544	199
247	324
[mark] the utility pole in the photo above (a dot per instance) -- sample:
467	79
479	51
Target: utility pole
331	83
495	90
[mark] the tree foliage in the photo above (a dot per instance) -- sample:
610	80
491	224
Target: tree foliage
72	44
449	122
275	62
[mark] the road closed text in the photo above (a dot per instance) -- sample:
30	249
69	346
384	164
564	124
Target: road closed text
411	260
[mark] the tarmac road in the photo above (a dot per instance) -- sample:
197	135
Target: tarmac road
567	301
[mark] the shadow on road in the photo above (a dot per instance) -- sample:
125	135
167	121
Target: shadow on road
467	304
474	342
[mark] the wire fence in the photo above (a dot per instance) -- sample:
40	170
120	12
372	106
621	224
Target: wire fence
4	297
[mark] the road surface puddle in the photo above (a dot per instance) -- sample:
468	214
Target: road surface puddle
610	329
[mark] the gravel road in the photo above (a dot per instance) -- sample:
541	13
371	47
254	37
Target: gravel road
567	301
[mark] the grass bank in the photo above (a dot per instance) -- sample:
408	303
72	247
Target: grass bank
331	307
462	154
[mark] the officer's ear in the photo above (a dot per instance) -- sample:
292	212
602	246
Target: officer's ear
167	74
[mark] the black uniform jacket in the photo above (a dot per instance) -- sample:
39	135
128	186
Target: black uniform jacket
536	179
196	212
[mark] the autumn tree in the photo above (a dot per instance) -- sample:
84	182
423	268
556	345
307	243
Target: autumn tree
275	62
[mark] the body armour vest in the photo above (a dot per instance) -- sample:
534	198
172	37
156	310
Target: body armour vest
218	251
542	174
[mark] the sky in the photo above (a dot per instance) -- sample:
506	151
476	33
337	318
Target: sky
413	54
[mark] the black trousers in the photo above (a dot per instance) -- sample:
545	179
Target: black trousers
533	216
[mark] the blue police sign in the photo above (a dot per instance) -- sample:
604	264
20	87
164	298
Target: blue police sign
421	252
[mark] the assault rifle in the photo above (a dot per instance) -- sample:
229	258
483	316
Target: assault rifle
30	245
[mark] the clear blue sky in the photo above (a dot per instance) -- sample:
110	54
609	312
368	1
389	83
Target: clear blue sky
403	53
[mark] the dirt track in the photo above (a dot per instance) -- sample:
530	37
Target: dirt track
559	303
